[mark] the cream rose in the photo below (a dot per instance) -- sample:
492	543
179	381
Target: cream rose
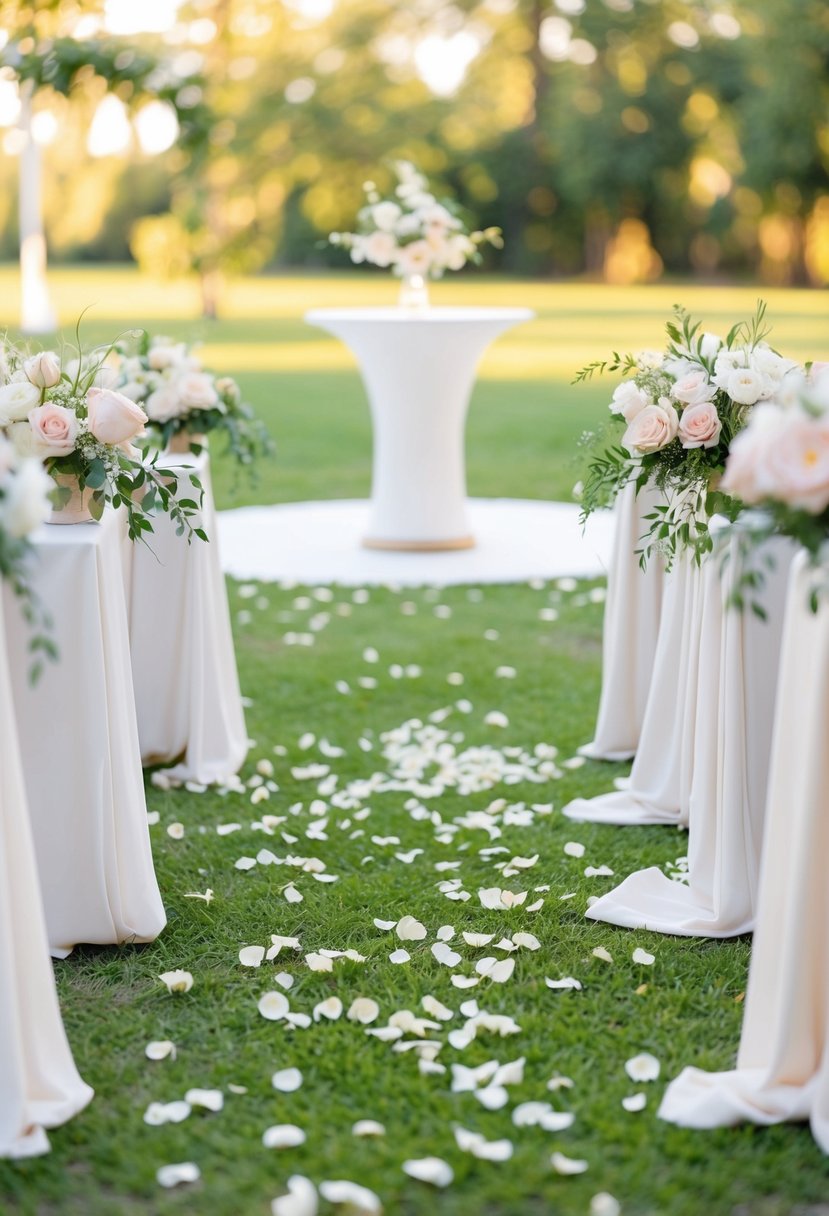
629	400
55	430
700	426
164	404
416	258
693	388
16	400
380	248
112	417
166	354
745	386
653	428
196	390
385	215
43	369
795	468
26	503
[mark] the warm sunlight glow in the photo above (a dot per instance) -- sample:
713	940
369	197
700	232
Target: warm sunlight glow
110	132
442	63
140	16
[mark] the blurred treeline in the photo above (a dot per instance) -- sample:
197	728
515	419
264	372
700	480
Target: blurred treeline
618	138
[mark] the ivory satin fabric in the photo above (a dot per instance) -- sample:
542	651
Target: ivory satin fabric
782	1068
631	627
187	693
39	1084
659	787
729	741
79	743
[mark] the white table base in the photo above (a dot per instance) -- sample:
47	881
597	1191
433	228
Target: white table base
79	744
660	782
736	681
187	695
631	627
782	1068
418	368
39	1084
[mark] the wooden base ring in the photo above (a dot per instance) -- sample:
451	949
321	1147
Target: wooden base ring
420	546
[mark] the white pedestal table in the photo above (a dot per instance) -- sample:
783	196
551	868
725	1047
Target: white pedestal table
418	367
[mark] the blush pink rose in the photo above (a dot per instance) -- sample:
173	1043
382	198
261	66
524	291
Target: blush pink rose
700	426
795	469
693	388
749	452
653	428
54	430
113	418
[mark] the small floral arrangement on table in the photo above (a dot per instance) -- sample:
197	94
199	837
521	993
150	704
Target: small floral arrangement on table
184	403
780	464
64	410
413	233
678	414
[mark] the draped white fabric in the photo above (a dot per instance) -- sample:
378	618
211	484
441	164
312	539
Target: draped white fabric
79	743
782	1068
631	626
184	667
39	1084
736	681
660	781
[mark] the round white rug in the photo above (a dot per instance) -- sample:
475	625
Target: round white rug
319	542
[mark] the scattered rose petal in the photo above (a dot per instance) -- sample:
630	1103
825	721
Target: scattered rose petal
301	1199
273	1006
251	956
319	962
177	981
430	1169
160	1049
363	1010
641	956
209	1099
368	1127
567	982
173	1175
331	1009
567	1165
643	1067
604	955
635	1103
433	1006
400	956
410	930
287	1080
605	1205
363	1201
283	1135
446	955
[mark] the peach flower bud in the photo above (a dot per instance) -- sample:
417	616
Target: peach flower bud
113	418
55	430
700	426
43	369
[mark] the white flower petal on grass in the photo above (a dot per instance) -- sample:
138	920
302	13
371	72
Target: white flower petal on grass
385	925
251	956
273	1006
362	1201
635	1103
479	1146
557	1120
566	982
574	849
567	1165
505	673
511	1073
284	979
386	1034
466	981
501	971
287	1080
208	1099
446	955
643	958
527	941
292	895
496	718
598	872
363	1010
368	1127
400	956
430	1169
160	1049
445	933
478	940
438	1010
604	1204
177	981
492	1097
604	955
301	1199
176	831
319	962
158	1113
643	1067
173	1175
410	930
557	1082
245	863
332	1009
283	1135
530	1114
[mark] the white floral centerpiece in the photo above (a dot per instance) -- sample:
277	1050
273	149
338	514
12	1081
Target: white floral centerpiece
415	235
184	402
64	410
673	420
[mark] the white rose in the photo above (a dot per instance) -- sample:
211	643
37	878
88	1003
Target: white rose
196	390
709	345
726	362
693	388
416	258
16	400
164	404
385	215
380	248
164	354
629	400
43	369
26	504
745	386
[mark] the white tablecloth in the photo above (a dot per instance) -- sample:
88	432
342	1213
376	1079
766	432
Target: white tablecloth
418	367
660	781
730	740
631	627
79	743
783	1064
39	1084
184	668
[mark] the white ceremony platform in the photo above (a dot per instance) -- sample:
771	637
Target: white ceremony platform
321	542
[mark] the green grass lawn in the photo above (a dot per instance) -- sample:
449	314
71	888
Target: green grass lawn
684	1009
